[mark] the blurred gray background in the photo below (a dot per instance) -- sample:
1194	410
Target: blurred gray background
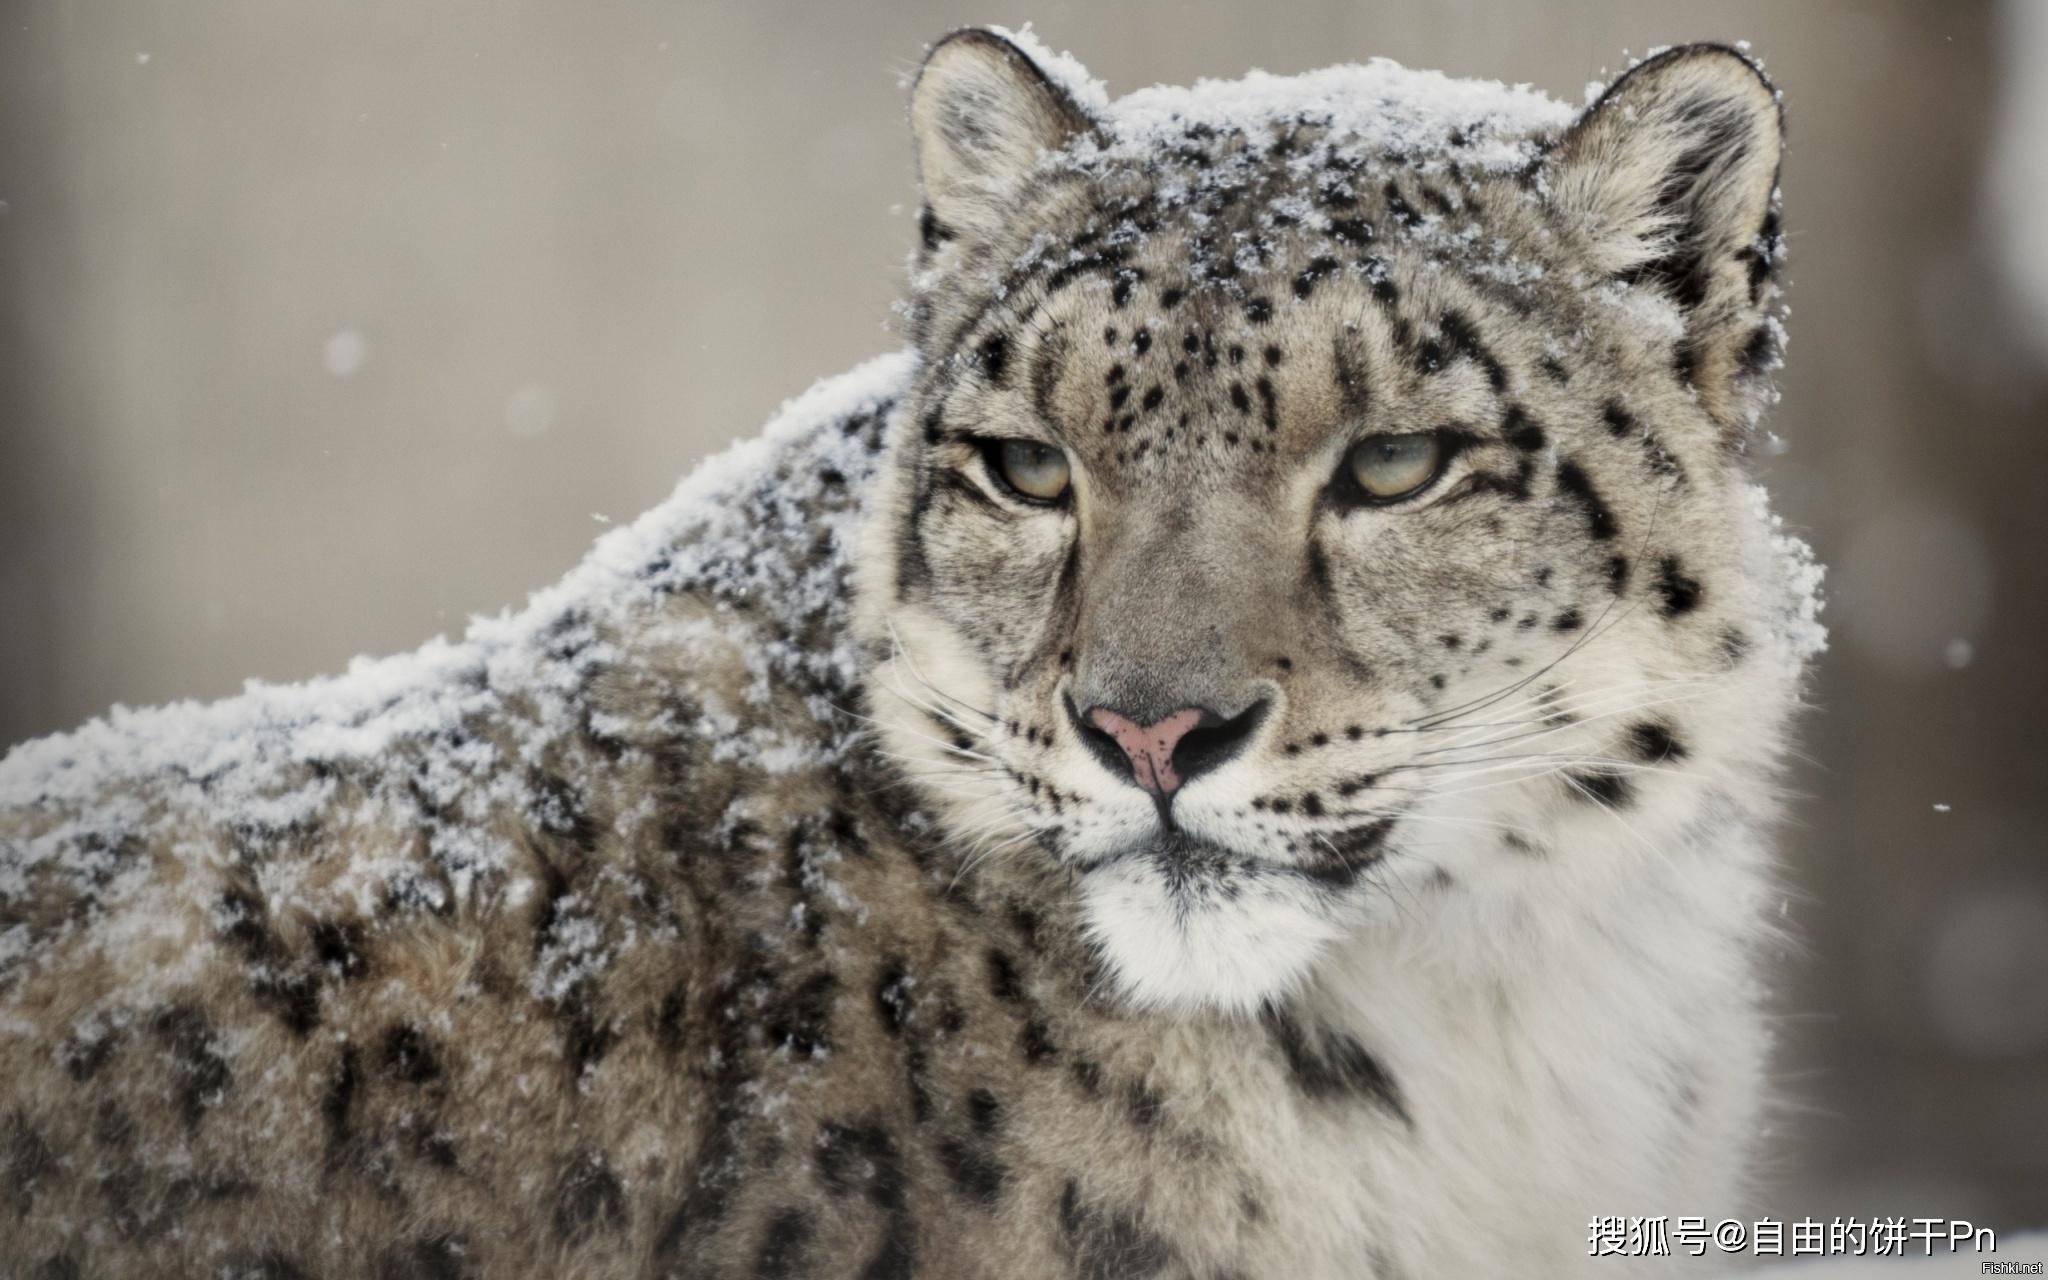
323	327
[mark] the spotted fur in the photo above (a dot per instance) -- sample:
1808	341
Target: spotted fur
757	905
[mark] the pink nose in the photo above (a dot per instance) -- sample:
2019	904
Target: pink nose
1149	746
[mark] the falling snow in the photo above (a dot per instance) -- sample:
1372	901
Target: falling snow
344	353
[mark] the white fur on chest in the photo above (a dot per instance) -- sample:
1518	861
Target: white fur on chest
1597	1054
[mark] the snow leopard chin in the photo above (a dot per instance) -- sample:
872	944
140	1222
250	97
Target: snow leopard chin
1191	945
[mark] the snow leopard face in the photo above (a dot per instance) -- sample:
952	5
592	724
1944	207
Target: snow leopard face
1276	499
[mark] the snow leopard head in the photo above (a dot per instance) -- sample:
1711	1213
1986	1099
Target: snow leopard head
1320	489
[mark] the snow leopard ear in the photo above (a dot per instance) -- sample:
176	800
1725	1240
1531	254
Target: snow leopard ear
982	112
1670	180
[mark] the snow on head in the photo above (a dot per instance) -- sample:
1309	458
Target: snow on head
1063	68
1378	106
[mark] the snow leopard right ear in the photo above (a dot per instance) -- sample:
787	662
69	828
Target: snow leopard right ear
982	113
1670	181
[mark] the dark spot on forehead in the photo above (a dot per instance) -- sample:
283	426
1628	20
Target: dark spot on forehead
1520	430
1464	341
1035	1042
1429	356
984	1111
975	1172
1127	279
995	358
860	1158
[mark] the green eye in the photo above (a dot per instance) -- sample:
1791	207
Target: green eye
1387	468
1037	471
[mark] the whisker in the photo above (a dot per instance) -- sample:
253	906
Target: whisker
910	661
1580	715
931	709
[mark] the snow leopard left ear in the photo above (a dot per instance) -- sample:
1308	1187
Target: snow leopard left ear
1670	180
982	112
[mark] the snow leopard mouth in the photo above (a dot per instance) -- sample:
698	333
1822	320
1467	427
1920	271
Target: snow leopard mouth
1332	860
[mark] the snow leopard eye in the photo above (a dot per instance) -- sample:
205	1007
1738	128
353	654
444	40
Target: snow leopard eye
1036	472
1389	468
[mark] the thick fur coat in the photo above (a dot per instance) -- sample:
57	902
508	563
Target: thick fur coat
767	899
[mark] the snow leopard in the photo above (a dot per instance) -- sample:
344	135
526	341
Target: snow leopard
1249	749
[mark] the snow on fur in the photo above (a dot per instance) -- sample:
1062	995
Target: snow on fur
1378	106
244	760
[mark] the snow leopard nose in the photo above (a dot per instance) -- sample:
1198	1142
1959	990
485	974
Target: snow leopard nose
1162	756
